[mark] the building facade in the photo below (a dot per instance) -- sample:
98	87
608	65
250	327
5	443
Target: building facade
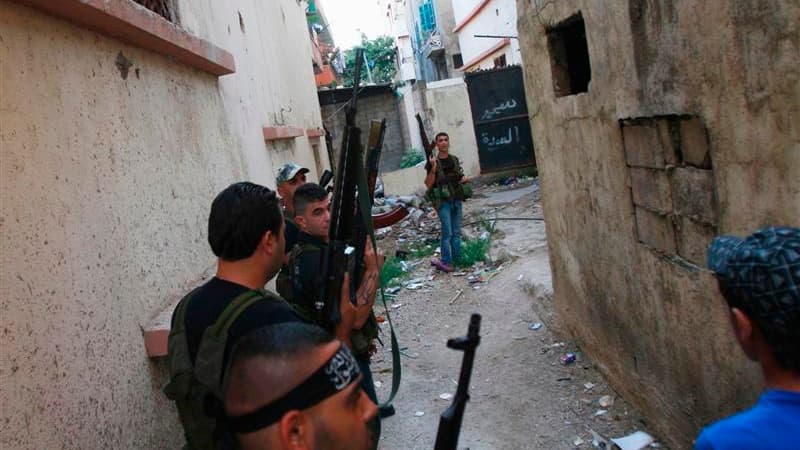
487	33
118	127
659	124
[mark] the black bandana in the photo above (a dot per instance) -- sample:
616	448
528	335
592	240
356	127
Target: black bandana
336	374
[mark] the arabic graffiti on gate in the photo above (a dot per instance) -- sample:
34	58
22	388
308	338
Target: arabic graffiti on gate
512	135
489	114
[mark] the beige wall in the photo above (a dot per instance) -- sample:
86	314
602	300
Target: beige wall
447	108
653	320
404	181
106	185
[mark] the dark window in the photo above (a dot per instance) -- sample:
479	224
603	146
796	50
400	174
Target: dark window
164	8
500	61
569	56
457	60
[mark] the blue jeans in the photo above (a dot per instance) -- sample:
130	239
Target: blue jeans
450	216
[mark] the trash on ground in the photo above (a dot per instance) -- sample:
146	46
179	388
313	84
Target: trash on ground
589	386
458	274
393	290
414	286
558	344
446	396
599	441
378	384
606	401
578	441
535	326
520	277
567	359
455	297
600	412
396	305
564	379
634	441
419	413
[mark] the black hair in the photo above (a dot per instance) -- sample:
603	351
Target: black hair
289	339
305	194
240	215
784	343
441	133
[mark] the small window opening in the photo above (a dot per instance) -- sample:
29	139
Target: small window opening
458	61
569	56
500	61
164	8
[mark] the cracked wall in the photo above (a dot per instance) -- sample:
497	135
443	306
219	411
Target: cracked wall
627	230
106	182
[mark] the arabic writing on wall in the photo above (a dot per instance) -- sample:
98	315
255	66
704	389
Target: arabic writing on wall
489	114
512	135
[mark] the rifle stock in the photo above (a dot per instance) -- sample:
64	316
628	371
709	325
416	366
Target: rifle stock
450	420
338	256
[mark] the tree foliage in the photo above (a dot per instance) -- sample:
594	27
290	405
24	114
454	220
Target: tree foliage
380	53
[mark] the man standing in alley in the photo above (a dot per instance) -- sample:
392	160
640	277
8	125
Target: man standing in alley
245	232
446	186
290	176
759	277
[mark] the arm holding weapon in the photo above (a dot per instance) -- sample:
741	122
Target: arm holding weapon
450	420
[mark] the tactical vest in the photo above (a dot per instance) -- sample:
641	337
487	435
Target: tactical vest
291	288
443	190
197	389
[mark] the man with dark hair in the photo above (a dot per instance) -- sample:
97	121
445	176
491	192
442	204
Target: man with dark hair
245	231
446	190
759	277
290	176
312	209
292	386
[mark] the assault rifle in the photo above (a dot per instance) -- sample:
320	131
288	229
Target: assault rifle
340	254
377	129
426	144
450	421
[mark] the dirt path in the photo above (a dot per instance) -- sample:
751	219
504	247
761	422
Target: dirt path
522	397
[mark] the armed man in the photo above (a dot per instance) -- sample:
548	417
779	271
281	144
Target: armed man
312	214
245	231
290	176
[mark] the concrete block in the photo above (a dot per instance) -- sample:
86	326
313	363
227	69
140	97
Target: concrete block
651	188
643	146
655	230
669	136
692	239
693	194
694	143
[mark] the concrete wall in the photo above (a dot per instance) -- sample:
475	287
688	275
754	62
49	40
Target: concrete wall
385	105
404	181
445	22
105	188
498	17
446	107
710	144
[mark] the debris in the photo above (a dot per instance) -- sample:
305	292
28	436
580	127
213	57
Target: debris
558	344
476	287
414	286
520	277
404	352
535	326
600	412
419	413
634	441
396	305
578	441
415	281
455	297
599	441
567	359
606	401
564	379
589	386
446	396
518	338
458	274
393	290
378	384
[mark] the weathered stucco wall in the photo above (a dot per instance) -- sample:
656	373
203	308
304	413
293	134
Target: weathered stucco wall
624	276
105	187
446	106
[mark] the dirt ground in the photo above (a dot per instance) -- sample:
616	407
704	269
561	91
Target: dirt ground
522	396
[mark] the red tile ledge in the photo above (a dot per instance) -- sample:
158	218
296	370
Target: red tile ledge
315	132
138	26
156	332
274	133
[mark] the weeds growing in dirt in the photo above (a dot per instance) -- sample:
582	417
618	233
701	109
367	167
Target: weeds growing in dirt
392	270
474	250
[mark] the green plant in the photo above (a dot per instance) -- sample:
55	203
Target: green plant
411	158
474	250
392	270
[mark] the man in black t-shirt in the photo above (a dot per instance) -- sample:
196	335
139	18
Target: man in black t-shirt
245	231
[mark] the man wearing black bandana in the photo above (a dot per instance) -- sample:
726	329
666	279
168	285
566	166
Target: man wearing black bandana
292	386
